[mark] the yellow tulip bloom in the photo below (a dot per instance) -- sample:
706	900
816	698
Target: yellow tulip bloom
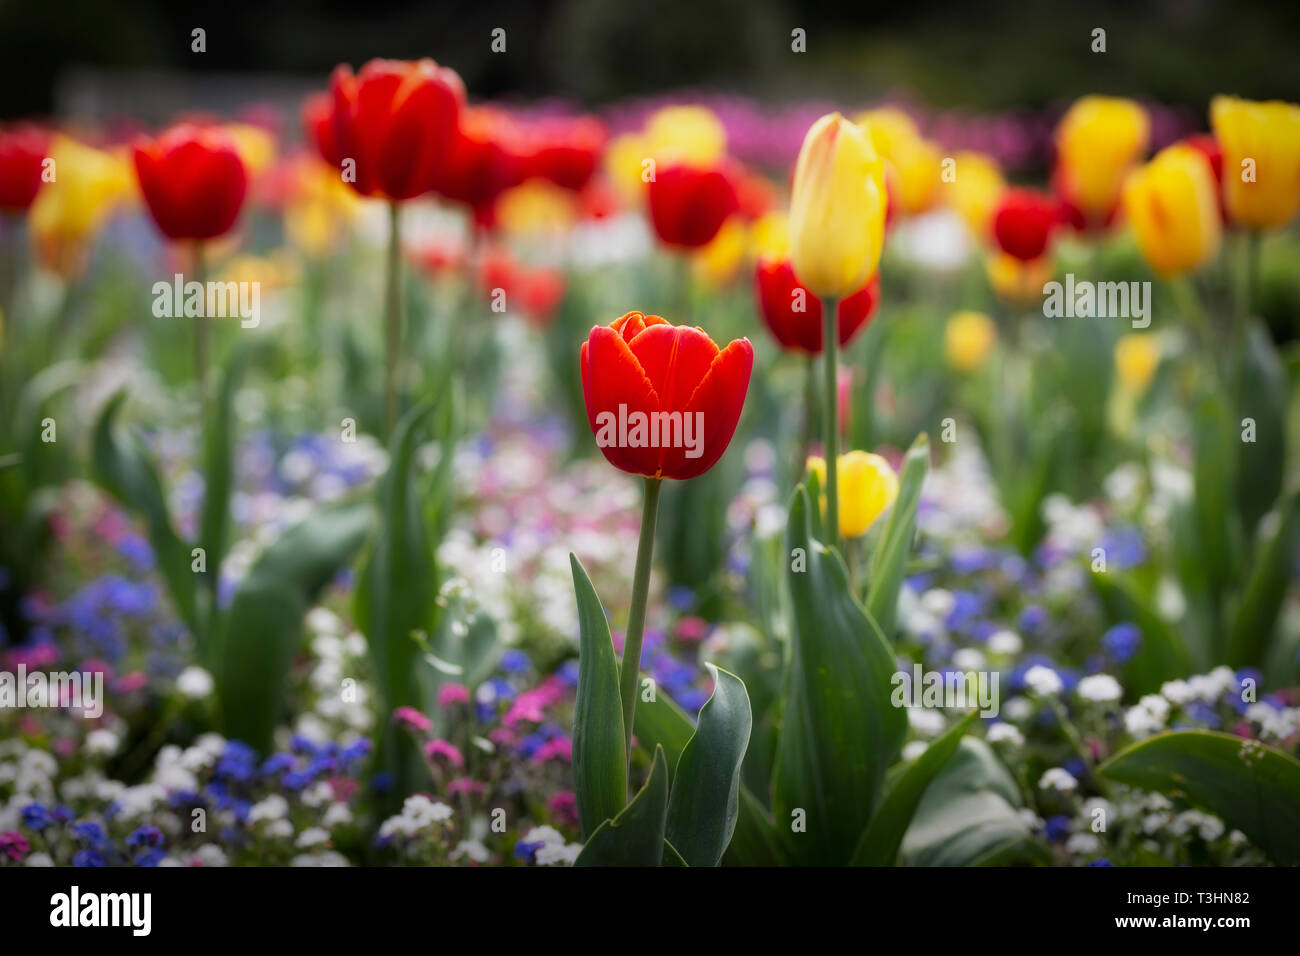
974	192
1174	209
1136	358
868	488
1017	282
837	209
1098	141
1261	159
968	338
915	161
686	134
88	185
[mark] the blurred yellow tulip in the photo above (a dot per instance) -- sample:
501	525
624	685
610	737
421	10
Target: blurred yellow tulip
968	339
1136	358
1174	209
837	209
770	236
319	207
974	191
88	185
718	262
868	488
1261	159
1098	141
624	158
1017	282
536	206
685	134
256	147
916	161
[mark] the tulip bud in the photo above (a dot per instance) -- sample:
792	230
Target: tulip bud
1136	358
1098	141
968	338
1023	223
1261	159
1171	204
868	487
193	181
794	315
837	209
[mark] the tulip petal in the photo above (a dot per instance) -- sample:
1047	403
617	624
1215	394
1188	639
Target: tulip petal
720	397
612	377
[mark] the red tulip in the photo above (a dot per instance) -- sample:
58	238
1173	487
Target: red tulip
318	121
801	331
22	155
488	157
193	181
1212	149
662	399
1023	223
568	150
397	120
689	204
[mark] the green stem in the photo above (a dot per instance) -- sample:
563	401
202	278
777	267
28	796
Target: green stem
831	421
636	614
202	334
392	317
809	418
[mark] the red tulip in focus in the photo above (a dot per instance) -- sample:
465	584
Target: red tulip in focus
193	181
1023	223
397	120
689	204
22	155
796	319
568	151
662	399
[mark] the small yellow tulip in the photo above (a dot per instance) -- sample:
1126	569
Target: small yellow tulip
686	134
1098	141
1136	358
1017	282
718	262
837	208
915	161
968	339
974	191
255	145
319	208
868	488
69	212
1261	159
1172	204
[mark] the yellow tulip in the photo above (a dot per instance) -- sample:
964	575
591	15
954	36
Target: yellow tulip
319	208
1174	209
1261	159
868	488
968	339
1098	141
1136	358
718	261
1017	282
770	236
69	212
976	187
837	209
686	134
915	161
256	147
536	206
624	156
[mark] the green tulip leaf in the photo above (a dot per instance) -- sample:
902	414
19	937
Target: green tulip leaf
890	561
635	836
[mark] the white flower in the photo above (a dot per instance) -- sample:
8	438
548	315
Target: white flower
1100	687
1084	844
1006	733
471	849
102	743
938	602
338	814
543	834
927	723
914	749
321	620
318	794
312	836
1156	705
328	858
38	859
968	659
421	812
195	683
1140	722
280	829
558	854
1005	642
1043	680
1018	708
209	855
1057	778
1176	691
274	807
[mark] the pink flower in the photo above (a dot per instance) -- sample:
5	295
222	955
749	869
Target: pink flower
412	719
692	630
14	845
558	748
531	705
128	683
441	749
564	807
502	737
464	786
450	695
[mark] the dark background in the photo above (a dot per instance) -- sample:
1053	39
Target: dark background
982	55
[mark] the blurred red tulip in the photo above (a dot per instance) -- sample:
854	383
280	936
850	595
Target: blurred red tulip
568	150
640	373
689	204
397	120
1023	223
487	158
22	155
318	122
192	180
1211	149
801	331
756	196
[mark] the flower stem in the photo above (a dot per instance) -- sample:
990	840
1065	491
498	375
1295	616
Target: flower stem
809	419
392	316
831	419
202	332
636	614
